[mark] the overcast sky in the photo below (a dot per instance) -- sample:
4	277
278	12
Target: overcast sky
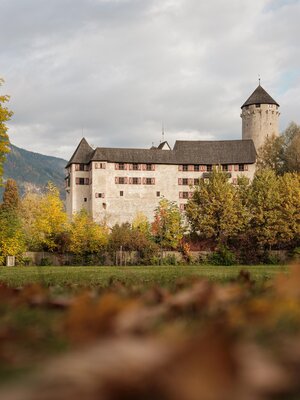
113	70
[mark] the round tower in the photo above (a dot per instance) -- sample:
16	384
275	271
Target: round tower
260	117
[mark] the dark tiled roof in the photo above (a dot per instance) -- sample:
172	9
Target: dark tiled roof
184	152
259	96
82	154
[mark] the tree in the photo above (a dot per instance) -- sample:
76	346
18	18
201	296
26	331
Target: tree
265	204
282	154
167	228
12	240
86	236
11	199
216	210
289	187
47	221
141	223
5	116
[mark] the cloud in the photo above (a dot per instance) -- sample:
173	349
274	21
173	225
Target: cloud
116	69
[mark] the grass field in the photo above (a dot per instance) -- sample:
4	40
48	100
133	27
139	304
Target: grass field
147	276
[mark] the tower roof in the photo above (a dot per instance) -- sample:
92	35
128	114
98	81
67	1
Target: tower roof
259	96
82	154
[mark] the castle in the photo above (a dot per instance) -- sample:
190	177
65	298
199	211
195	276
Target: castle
114	184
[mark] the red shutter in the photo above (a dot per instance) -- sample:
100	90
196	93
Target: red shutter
130	181
236	167
180	195
203	168
181	207
139	181
116	180
126	166
246	167
116	166
139	167
179	181
191	181
144	167
130	166
229	167
190	195
103	165
152	167
234	181
191	168
103	195
86	181
144	181
152	181
180	168
77	181
125	180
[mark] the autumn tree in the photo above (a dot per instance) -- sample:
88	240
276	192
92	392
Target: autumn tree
44	219
281	154
86	236
141	223
11	199
216	210
5	116
265	205
167	227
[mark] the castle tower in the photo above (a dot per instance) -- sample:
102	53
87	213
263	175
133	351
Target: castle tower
260	117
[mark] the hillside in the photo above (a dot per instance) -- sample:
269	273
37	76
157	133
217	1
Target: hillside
32	171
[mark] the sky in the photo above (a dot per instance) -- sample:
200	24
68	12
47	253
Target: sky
114	70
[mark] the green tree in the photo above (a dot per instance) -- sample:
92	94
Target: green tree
167	227
86	236
216	209
5	116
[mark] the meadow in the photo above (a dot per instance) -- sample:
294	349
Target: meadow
103	277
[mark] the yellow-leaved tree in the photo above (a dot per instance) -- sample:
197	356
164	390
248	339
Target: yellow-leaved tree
86	236
5	116
44	219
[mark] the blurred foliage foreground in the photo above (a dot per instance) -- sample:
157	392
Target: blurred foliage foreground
201	340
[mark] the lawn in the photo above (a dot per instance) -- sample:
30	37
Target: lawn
147	276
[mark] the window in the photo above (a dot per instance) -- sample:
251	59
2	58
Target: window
257	105
224	167
196	181
81	167
157	194
185	181
185	168
148	181
121	193
100	165
99	195
209	168
85	199
135	181
135	167
196	167
241	167
80	181
148	167
185	195
122	181
121	166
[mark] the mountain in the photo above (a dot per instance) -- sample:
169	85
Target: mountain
32	171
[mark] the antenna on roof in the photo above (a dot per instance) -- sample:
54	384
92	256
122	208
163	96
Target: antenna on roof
259	79
163	131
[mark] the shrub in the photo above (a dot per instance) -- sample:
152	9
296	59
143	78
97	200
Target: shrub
222	256
46	261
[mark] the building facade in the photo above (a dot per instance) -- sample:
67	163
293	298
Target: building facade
114	184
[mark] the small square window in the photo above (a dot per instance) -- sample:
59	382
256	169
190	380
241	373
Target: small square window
148	181
121	193
135	181
135	167
209	168
224	167
185	195
185	181
196	181
149	167
85	199
121	181
157	194
196	167
185	168
121	166
241	167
